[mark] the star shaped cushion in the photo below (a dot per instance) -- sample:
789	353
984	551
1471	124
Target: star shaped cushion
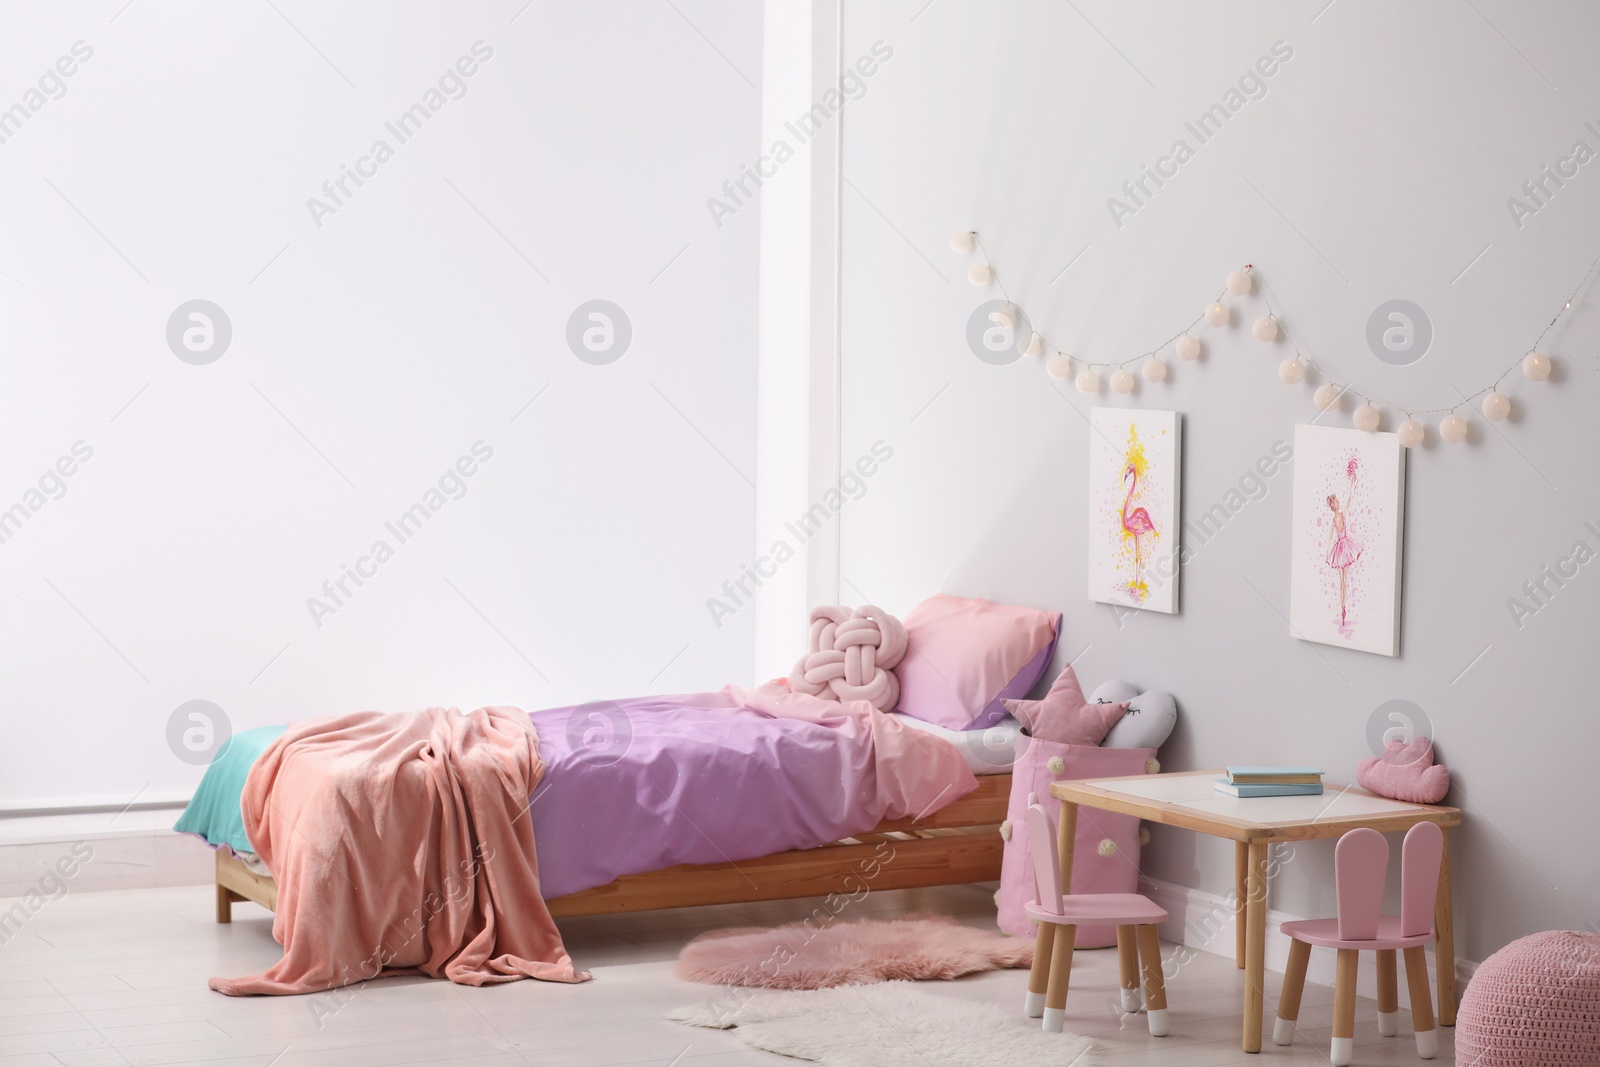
1065	716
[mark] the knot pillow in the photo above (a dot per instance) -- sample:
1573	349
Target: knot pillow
852	656
1064	716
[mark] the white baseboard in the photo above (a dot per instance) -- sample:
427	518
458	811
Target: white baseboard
89	805
132	849
1204	921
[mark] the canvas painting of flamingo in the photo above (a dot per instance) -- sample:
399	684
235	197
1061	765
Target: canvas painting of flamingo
1345	551
1134	507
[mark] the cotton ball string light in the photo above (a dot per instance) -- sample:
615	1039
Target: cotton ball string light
1107	847
1155	367
1152	766
1056	765
1005	830
1144	835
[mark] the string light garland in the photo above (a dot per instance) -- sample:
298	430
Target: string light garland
1368	415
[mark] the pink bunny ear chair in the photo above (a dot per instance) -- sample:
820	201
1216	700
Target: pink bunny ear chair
1059	917
1361	866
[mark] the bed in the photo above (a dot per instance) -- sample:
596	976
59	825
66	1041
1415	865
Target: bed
655	811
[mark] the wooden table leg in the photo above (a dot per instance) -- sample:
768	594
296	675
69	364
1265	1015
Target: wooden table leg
1066	838
1255	945
1241	863
1445	932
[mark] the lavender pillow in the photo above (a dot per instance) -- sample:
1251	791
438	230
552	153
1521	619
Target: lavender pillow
968	655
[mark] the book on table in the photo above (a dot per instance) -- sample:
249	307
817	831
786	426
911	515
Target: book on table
1268	789
1274	775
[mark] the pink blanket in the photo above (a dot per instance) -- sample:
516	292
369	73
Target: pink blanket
400	846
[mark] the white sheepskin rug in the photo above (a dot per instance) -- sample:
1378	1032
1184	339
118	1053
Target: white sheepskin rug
890	1024
802	956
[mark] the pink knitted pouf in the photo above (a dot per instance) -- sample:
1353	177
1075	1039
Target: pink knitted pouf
1535	1003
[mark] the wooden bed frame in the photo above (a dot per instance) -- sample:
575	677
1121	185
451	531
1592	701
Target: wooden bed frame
959	843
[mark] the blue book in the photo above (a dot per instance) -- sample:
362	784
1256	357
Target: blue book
1245	789
1275	775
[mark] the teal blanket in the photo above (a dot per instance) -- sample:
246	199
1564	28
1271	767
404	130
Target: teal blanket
214	812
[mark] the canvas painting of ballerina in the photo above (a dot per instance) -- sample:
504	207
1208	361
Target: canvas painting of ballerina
1349	514
1133	507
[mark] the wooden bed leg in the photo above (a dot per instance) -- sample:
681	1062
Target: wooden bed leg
224	904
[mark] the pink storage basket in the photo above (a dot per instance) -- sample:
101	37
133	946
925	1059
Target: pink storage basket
1091	871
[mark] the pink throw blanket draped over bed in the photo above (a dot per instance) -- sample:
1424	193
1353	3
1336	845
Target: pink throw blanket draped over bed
400	845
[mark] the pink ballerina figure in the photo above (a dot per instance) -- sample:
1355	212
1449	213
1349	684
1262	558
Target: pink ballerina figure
1343	551
1137	523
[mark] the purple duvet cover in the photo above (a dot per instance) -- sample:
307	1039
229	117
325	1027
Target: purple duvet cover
645	783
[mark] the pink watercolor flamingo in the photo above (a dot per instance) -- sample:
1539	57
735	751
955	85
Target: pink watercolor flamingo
1137	523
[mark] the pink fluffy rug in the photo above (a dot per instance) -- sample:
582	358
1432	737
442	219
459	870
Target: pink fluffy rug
813	956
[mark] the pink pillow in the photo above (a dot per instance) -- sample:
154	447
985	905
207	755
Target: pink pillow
1065	716
966	656
1406	772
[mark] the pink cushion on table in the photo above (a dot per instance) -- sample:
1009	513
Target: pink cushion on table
1325	932
1406	772
1065	716
966	655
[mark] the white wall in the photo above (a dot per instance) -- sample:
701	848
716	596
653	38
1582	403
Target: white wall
1377	165
368	354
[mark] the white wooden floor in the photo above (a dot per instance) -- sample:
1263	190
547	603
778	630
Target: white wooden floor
119	978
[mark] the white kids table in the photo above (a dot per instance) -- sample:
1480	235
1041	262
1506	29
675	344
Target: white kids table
1189	800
